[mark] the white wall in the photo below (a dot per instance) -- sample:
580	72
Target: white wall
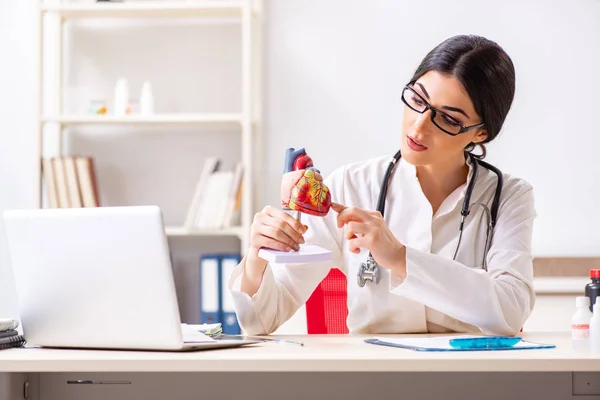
336	70
17	124
333	74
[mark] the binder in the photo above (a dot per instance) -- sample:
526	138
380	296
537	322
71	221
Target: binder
11	332
229	319
210	283
12	341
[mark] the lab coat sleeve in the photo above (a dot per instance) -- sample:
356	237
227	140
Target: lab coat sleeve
286	287
498	301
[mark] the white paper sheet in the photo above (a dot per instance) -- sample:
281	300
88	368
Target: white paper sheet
191	335
306	254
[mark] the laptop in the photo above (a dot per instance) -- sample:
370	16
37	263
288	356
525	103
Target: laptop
98	278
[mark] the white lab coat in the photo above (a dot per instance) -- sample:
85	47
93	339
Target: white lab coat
438	294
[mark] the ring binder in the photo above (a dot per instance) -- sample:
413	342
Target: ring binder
12	341
11	332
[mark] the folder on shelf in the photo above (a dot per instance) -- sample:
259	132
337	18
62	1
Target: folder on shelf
229	319
210	284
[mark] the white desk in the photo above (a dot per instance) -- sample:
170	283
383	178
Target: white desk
327	366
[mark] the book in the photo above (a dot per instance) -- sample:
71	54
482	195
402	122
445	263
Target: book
70	181
211	165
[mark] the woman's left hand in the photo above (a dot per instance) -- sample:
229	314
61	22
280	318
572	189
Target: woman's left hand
367	229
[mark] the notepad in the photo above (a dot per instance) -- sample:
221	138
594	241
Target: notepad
443	343
307	254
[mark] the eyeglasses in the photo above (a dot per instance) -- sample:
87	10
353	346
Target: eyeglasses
445	122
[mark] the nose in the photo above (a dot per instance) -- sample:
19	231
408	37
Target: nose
423	121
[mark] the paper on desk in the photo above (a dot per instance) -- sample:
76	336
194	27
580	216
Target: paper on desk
442	343
307	253
191	335
207	329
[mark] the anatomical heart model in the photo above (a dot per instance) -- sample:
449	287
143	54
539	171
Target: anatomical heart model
302	187
303	191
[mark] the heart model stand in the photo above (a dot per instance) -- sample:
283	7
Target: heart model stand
301	192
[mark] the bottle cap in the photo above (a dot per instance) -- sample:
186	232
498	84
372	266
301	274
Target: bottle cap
594	273
582	301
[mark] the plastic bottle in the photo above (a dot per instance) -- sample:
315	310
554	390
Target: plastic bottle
146	100
580	324
121	97
592	289
595	329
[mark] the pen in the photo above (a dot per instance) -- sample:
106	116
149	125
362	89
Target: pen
262	338
294	342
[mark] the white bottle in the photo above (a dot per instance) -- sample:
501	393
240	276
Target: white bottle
595	328
146	100
580	324
121	97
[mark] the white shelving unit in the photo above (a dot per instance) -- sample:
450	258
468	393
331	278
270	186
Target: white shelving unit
249	14
160	119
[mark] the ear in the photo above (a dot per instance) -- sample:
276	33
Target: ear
481	136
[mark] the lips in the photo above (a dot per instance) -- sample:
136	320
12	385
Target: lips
415	144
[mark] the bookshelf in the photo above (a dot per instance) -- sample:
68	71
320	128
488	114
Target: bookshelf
150	9
54	14
160	119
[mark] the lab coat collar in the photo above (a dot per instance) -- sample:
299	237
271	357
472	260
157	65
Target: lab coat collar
411	170
451	202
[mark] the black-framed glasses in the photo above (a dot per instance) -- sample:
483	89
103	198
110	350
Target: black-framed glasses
445	122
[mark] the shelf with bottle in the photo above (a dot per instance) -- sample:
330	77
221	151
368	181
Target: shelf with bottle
82	109
154	119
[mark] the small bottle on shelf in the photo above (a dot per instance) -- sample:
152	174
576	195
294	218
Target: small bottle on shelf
146	100
121	97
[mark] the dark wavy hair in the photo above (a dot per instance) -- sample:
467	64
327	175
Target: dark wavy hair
486	72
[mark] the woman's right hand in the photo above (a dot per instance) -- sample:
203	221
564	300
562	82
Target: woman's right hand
271	228
275	229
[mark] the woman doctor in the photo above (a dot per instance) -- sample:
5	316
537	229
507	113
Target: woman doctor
456	101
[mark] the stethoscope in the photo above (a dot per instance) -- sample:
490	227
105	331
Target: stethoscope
370	271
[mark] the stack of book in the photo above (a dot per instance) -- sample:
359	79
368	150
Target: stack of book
217	199
70	181
9	336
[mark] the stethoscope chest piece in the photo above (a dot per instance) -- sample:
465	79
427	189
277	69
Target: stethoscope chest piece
368	271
